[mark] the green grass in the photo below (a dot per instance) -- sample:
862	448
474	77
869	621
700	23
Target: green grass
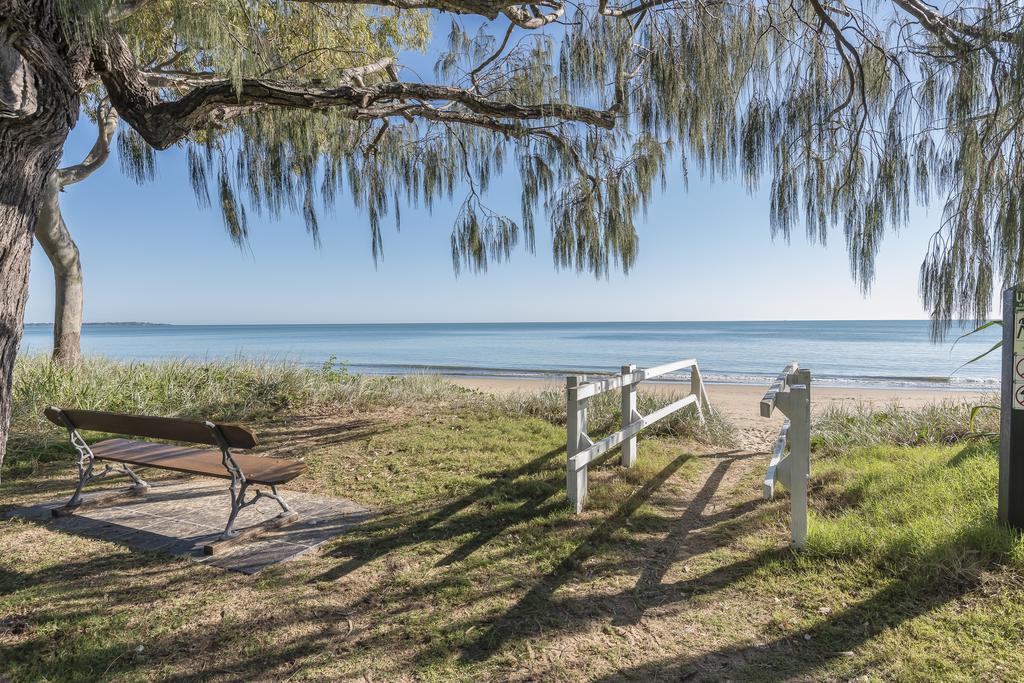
262	392
471	510
474	569
840	427
915	509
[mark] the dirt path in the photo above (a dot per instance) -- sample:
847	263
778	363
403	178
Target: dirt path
678	605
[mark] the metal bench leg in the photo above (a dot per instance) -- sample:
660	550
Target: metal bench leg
285	509
139	481
84	476
237	503
239	484
86	464
231	536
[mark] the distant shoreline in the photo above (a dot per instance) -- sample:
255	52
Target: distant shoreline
129	323
739	402
858	354
124	324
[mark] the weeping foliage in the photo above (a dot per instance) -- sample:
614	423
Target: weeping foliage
848	112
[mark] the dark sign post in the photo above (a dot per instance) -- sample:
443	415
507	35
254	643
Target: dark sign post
1011	423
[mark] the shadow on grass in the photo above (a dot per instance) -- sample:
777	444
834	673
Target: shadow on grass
399	531
299	629
912	588
540	611
797	655
305	435
971	450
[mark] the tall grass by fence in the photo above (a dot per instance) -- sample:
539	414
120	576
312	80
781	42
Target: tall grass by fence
840	428
250	391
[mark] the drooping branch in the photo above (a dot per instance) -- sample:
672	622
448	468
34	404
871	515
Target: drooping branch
162	123
497	53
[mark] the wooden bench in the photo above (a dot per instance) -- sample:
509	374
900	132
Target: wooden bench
243	470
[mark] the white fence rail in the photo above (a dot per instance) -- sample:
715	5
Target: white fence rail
791	394
581	450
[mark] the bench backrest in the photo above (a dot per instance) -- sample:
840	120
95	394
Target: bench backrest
169	428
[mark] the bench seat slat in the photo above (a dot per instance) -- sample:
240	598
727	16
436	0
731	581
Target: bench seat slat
258	470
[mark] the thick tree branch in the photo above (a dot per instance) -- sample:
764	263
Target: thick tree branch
485	8
951	30
534	19
517	12
162	123
604	10
17	84
106	124
181	79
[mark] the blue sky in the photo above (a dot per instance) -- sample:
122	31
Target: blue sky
150	254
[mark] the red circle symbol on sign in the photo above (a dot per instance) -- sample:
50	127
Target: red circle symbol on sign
1018	368
1018	396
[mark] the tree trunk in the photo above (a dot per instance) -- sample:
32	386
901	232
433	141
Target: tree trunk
40	78
16	218
53	236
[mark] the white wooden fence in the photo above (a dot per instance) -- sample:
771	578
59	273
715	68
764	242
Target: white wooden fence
791	394
581	450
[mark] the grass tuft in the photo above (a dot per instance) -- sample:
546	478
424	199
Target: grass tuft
841	428
260	392
919	512
604	414
239	390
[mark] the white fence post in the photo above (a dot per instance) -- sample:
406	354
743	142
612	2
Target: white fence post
791	394
628	415
800	455
697	389
581	450
575	428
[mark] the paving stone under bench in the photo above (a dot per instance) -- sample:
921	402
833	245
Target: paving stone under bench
178	517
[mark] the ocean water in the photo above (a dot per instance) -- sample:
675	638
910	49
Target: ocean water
839	353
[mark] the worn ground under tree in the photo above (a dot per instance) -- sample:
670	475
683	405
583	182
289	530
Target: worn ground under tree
474	568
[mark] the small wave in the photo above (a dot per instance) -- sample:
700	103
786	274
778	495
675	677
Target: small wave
558	374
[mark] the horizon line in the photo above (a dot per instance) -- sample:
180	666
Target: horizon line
498	322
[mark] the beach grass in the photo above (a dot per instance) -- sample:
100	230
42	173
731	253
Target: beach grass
246	391
473	567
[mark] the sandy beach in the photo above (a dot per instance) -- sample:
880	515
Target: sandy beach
739	402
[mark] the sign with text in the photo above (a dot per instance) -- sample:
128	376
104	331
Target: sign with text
1011	419
1017	367
1018	328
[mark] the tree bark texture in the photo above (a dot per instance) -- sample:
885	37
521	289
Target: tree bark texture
37	60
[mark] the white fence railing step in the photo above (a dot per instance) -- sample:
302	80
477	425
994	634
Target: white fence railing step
581	450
